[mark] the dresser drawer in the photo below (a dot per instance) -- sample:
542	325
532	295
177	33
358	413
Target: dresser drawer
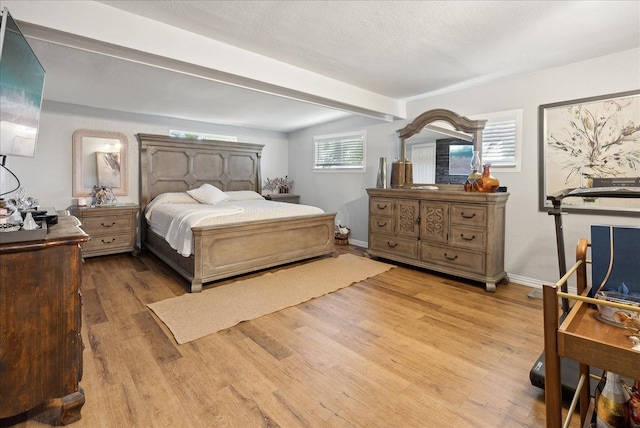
108	244
378	224
107	224
392	245
469	215
379	206
468	237
471	261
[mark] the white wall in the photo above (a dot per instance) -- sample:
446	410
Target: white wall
48	176
531	256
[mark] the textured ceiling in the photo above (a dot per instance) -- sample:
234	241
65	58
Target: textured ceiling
398	49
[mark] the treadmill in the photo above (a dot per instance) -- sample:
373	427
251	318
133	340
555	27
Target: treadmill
569	369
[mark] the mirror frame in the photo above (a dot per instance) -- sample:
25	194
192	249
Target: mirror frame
78	186
460	123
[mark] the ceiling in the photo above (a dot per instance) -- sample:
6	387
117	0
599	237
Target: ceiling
394	51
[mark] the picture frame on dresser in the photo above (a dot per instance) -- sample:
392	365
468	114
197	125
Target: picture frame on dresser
587	143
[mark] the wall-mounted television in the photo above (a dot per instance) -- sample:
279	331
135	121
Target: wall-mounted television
21	89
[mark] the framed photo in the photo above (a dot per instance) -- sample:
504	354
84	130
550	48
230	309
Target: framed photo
591	143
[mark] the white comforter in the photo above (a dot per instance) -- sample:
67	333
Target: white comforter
173	216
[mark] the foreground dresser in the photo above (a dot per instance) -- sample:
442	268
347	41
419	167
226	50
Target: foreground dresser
40	342
113	229
450	231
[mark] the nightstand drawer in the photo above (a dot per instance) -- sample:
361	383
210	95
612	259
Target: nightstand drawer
108	224
108	244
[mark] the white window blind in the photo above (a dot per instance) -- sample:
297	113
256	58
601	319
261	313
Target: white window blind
502	139
499	143
339	151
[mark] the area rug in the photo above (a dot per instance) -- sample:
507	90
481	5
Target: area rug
194	315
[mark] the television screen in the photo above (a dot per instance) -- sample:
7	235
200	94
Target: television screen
21	89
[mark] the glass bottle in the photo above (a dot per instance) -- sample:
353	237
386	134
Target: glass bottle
475	172
611	406
487	183
634	406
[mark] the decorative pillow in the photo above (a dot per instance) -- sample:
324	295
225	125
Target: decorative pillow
208	194
243	195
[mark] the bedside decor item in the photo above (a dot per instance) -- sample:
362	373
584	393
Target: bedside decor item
278	185
103	195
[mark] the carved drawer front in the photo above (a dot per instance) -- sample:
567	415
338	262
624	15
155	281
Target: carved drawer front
378	206
469	215
469	237
380	224
453	257
108	242
392	245
107	225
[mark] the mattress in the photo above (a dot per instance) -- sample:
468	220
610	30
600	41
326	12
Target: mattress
172	215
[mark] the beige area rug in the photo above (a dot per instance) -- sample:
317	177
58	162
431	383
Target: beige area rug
194	315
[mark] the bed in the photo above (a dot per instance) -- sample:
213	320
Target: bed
170	165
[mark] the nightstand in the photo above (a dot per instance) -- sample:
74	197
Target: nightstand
113	229
283	197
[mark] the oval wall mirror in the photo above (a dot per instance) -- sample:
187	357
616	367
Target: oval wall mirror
100	158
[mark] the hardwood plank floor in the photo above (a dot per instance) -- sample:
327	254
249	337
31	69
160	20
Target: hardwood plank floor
405	349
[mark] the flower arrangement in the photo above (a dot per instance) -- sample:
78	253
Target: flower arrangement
103	195
278	184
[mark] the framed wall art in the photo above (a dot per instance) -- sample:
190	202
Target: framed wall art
591	143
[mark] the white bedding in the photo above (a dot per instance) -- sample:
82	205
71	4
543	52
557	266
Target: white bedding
173	215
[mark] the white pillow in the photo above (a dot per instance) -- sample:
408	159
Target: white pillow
244	195
208	194
168	198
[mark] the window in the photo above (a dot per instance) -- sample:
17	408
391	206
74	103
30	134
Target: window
339	152
502	139
201	136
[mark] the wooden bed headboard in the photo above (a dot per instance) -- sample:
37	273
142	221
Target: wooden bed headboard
171	164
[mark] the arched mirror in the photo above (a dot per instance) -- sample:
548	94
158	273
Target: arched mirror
452	132
99	158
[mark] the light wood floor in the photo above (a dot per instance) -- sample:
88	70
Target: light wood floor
403	349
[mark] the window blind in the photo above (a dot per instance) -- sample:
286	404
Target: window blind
499	143
341	151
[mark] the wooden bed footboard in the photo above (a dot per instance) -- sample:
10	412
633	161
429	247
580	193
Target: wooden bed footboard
225	251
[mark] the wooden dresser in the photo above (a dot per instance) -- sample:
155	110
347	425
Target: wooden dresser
113	229
40	342
450	231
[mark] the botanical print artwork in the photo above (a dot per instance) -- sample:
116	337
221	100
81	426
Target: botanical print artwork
108	169
598	139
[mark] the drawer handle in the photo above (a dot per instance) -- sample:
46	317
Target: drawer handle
467	239
381	225
381	207
446	256
390	245
108	225
467	216
110	242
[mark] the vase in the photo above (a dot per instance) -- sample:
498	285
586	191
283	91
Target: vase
634	407
382	174
487	183
611	406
